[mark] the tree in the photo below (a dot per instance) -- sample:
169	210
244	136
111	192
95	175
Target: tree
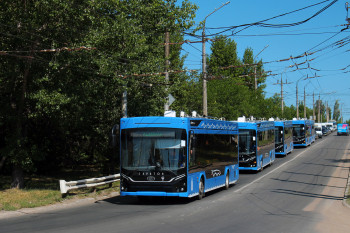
224	54
58	106
231	90
31	29
336	111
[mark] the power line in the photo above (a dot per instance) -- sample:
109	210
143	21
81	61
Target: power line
261	24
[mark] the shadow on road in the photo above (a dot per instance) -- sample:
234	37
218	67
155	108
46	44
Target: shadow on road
325	165
130	200
307	183
306	194
311	174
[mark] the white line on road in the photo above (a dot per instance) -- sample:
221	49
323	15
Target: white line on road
261	177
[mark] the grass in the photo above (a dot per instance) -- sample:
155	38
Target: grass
14	199
45	190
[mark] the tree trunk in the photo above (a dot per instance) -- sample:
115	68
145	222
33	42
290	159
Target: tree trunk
17	178
2	162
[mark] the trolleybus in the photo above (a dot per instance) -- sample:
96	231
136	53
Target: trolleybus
177	156
303	132
283	137
256	144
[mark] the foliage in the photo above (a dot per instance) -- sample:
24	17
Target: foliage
58	107
336	111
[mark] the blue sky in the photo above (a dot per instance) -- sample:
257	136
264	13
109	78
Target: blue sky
318	34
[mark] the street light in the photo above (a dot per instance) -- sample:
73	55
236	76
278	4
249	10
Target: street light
204	69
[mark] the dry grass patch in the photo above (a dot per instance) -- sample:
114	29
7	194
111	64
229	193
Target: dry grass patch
14	199
44	190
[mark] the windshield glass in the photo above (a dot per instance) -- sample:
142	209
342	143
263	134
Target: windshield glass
247	141
146	148
279	134
299	130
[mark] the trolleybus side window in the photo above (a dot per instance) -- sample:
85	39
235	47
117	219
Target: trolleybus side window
287	133
213	150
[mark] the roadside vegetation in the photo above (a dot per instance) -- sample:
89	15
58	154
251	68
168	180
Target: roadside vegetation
45	190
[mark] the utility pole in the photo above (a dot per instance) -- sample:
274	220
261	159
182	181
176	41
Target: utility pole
297	104
255	82
282	100
319	109
282	95
125	102
204	65
167	52
204	70
327	112
304	104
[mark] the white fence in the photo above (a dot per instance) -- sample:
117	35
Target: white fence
87	183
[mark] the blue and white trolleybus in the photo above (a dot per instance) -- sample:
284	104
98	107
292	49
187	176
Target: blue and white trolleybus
303	132
256	144
177	156
283	137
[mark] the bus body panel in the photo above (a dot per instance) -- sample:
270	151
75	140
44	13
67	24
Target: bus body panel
185	184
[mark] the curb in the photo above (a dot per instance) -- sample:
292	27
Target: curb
346	195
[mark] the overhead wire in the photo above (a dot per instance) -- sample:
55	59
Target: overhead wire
262	24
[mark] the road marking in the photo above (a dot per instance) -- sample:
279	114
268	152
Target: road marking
261	177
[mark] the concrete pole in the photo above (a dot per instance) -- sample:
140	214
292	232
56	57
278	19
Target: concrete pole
319	109
167	52
282	95
313	107
204	70
255	81
304	103
297	104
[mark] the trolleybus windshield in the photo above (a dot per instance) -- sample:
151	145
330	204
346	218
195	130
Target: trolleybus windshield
146	149
247	142
299	131
279	142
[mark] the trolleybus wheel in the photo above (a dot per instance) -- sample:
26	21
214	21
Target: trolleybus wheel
201	189
261	165
227	180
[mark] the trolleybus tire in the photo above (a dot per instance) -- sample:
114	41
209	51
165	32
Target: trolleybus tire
227	180
201	189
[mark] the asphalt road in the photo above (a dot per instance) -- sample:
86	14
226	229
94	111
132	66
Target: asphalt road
274	200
